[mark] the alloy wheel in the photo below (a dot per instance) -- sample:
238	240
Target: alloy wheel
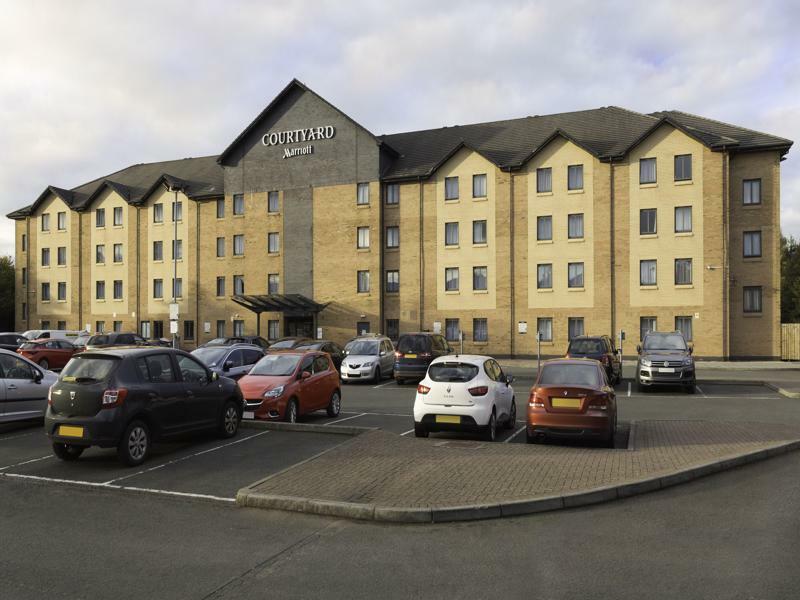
137	442
231	420
336	402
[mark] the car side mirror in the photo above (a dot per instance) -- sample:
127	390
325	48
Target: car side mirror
691	349
509	379
383	352
37	375
214	376
305	375
227	366
638	348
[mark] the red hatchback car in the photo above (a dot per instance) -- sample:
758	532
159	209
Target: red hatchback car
287	385
48	353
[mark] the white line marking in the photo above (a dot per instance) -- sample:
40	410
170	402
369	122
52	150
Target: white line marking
629	389
14	437
407	432
182	458
26	462
375	387
179	494
346	418
699	389
515	434
58	480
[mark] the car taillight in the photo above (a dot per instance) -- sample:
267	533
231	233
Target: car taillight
398	355
481	390
599	403
423	389
50	396
114	397
536	401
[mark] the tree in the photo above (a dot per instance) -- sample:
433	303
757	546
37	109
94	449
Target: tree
790	280
6	293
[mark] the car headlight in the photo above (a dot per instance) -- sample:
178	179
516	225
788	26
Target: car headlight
646	362
688	362
369	363
274	392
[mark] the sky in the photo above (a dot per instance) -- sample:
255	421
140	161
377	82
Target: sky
87	88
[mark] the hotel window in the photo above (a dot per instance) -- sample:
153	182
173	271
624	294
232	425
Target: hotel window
647	221
480	278
24	242
24	276
100	326
480	330
273	243
392	282
158	213
100	254
684	325
144	328
46	222
575	177
646	325
158	288
117	326
177	288
118	216
362	328
158	250
544	228
177	211
220	328
451	188
46	324
62	325
100	290
451	234
45	292
479	232
544	326
683	271
238	245
683	219
544	180
647	272
451	279
362	237
683	167
100	217
273	331
158	329
479	186
362	282
188	330
177	249
220	208
393	193
220	286
45	257
117	289
24	311
752	299
220	247
575	275
752	244
751	192
61	255
62	292
575	226
544	277
61	221
451	330
118	253
238	327
393	236
238	284
574	327
647	170
273	202
393	328
238	204
273	283
362	194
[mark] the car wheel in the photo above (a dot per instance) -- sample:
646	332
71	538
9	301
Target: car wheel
512	416
376	379
229	421
67	452
490	433
400	381
690	389
135	443
335	405
420	431
44	364
290	416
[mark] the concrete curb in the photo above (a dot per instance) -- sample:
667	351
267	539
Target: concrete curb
306	427
246	497
775	388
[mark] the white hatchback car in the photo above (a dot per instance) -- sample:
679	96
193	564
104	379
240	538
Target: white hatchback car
464	393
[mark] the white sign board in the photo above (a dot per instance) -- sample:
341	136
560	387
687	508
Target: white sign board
173	311
319	333
88	328
437	327
522	327
173	327
207	327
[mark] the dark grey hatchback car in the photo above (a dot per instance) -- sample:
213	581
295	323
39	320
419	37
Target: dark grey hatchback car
129	397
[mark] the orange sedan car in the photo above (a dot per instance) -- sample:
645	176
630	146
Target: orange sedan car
572	399
48	353
287	385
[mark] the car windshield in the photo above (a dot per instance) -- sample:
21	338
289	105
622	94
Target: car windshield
276	365
89	368
310	346
414	343
210	356
452	372
217	342
31	346
360	347
32	334
664	342
97	340
283	344
570	374
585	347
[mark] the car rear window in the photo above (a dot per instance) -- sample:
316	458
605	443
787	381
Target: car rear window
585	347
89	368
414	343
453	372
283	344
97	340
570	374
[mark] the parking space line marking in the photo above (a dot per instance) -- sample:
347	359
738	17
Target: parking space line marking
699	389
14	437
182	458
179	494
375	387
59	480
346	419
629	389
407	432
26	462
515	434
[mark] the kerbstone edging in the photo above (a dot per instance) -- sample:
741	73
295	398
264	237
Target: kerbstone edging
307	427
246	497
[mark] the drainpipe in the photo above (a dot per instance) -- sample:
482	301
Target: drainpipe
511	262
138	270
613	274
381	236
421	258
198	207
726	276
80	270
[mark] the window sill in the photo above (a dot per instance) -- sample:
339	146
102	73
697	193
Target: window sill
363	294
274	254
751	206
61	301
393	249
752	315
648	236
158	223
486	343
452	292
45	301
684	286
158	299
120	263
451	246
46	232
273	214
581	191
45	266
100	227
480	245
544	241
684	234
480	291
100	300
392	205
576	240
362	205
647	186
752	259
158	262
481	199
117	226
238	216
61	266
547	343
452	200
684	182
118	300
362	250
544	290
648	287
235	256
576	289
393	294
542	194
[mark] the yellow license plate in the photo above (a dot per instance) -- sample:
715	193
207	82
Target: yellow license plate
454	419
411	356
565	402
70	431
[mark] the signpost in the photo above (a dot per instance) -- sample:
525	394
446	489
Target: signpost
538	351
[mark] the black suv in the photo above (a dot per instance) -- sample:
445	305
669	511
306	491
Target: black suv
415	351
107	340
128	397
600	348
665	358
256	340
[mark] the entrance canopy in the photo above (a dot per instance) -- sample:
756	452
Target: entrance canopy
289	304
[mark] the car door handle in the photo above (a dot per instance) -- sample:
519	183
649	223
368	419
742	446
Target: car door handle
11	386
190	393
152	395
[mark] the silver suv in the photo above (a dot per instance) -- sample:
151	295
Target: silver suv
369	357
229	361
665	358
